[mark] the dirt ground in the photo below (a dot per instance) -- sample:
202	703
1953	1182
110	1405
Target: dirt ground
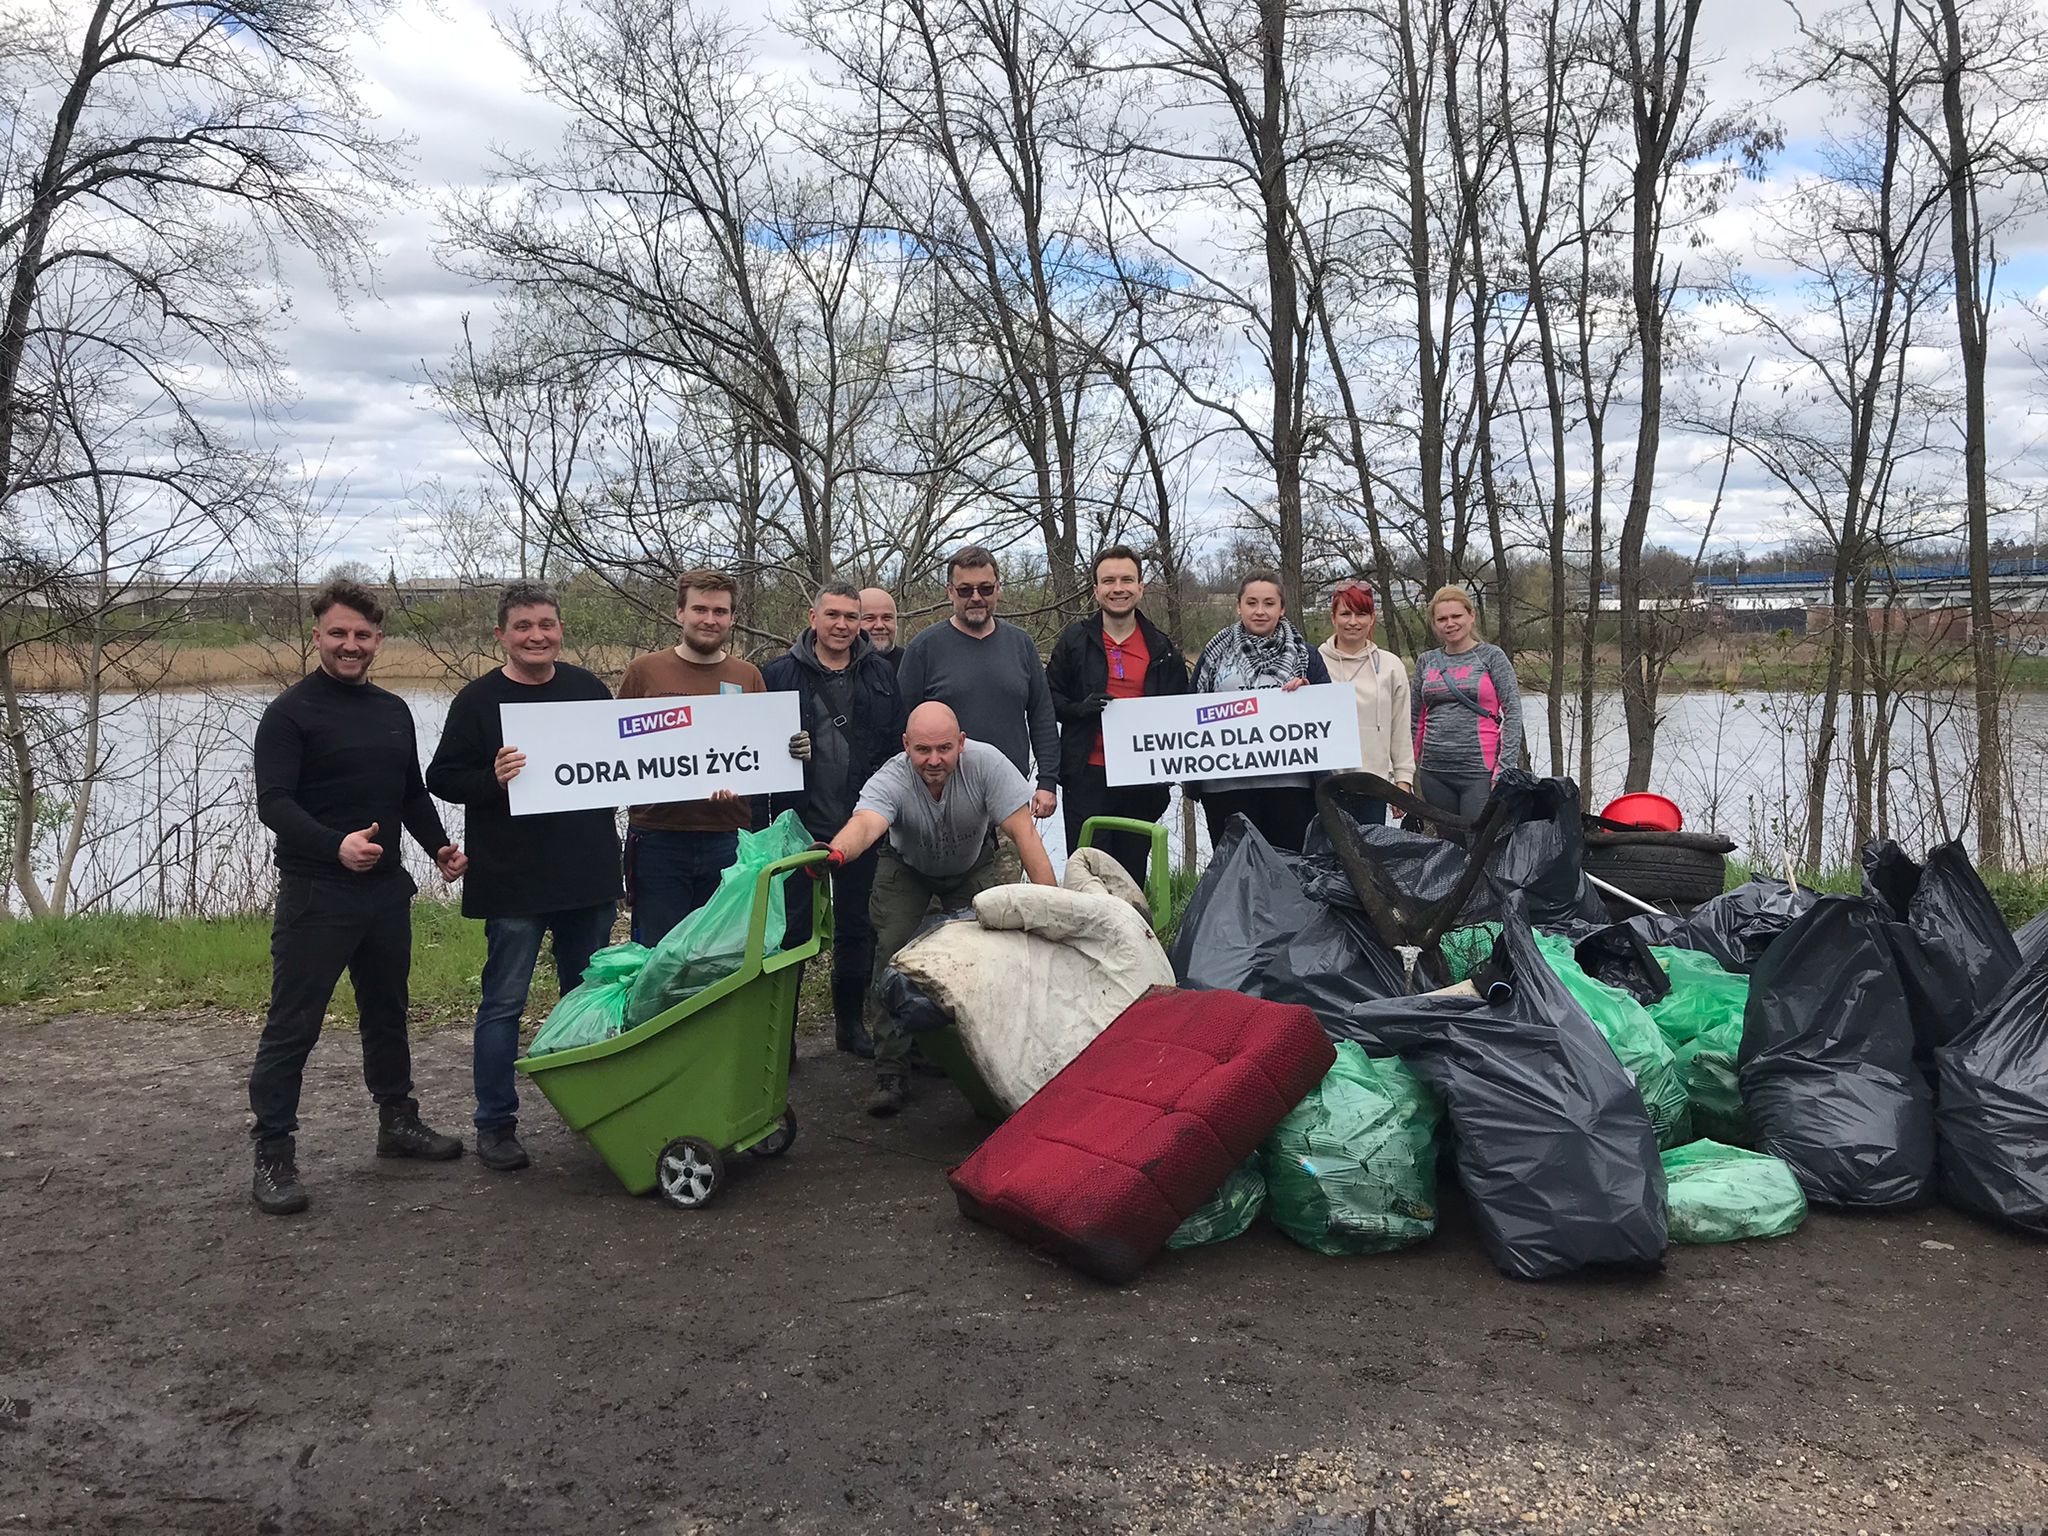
831	1347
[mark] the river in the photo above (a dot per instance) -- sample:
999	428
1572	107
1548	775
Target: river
174	826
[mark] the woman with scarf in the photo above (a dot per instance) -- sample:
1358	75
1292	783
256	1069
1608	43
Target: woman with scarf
1261	650
1380	681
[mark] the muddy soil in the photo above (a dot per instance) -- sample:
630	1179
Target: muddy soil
830	1347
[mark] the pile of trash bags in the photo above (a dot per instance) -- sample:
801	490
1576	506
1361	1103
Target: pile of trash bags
1603	1088
626	985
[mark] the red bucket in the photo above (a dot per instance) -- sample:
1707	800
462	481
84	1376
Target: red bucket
1652	811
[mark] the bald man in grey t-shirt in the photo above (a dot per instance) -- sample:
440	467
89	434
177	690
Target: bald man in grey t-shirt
939	804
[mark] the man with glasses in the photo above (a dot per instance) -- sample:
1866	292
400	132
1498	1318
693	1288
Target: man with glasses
878	623
988	673
1114	653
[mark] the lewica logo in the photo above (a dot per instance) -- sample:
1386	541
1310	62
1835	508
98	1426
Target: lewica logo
1236	709
672	718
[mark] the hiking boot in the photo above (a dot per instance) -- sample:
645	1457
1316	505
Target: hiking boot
852	1036
498	1149
892	1092
277	1190
401	1133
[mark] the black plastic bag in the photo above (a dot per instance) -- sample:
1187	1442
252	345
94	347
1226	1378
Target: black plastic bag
1539	854
1954	951
1252	927
903	999
1826	1064
1543	853
1553	1144
1993	1121
1735	927
2032	940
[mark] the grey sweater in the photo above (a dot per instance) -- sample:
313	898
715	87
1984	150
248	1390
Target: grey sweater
1468	711
996	685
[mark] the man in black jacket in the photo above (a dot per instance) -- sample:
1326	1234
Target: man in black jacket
852	712
1115	653
537	876
337	776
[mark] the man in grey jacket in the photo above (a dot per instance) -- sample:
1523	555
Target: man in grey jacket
988	673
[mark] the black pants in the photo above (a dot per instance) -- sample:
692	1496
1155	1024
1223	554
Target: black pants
1088	794
1281	815
1462	794
323	926
853	931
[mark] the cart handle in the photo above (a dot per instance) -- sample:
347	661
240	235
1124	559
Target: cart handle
764	889
1158	878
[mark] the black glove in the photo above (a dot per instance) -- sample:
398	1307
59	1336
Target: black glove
1095	703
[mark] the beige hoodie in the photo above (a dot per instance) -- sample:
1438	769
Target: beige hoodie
1386	740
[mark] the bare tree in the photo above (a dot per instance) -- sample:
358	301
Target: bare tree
160	156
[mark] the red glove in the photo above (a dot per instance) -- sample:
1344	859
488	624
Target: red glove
834	859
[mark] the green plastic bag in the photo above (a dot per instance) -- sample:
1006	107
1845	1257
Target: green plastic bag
1465	949
1230	1211
1721	1194
709	944
1352	1169
1638	1043
595	1008
1701	1017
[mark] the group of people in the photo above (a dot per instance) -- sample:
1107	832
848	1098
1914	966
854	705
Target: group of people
925	771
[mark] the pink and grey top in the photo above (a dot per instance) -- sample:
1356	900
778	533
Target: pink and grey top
1468	711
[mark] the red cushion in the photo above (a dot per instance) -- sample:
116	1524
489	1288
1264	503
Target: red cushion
1143	1126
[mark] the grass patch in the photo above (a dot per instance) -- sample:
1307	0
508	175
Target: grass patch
116	963
2021	895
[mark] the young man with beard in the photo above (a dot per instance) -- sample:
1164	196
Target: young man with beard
1114	653
676	851
337	776
878	623
539	876
938	804
988	673
850	710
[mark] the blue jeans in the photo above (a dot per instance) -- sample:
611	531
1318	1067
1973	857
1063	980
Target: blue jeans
672	874
511	950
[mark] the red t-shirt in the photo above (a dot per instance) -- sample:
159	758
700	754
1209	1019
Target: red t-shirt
1128	660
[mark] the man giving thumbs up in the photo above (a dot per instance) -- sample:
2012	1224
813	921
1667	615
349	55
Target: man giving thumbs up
337	763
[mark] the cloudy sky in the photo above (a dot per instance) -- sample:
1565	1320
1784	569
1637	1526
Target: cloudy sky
439	74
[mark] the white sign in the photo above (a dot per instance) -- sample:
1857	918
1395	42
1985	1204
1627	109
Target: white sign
600	752
1248	735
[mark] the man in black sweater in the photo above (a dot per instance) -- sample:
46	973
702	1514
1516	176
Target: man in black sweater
846	693
337	776
539	875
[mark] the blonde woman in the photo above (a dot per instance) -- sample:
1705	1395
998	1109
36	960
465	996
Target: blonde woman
1468	709
1380	681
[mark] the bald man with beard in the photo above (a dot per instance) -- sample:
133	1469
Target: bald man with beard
938	806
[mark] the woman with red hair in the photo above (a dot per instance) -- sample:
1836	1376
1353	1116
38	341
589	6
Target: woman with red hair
1379	679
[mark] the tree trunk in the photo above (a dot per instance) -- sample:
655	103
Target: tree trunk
1971	320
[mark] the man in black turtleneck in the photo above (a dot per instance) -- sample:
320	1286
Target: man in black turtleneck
337	777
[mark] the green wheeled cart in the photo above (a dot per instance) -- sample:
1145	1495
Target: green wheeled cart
944	1049
667	1103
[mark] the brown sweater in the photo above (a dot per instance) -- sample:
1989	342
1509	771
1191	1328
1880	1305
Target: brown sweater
665	675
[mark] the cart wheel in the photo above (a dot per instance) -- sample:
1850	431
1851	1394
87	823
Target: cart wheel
777	1142
688	1172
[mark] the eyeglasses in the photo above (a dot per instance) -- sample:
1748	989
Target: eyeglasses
975	589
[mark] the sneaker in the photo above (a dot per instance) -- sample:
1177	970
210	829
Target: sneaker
498	1149
401	1133
277	1190
892	1092
853	1038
